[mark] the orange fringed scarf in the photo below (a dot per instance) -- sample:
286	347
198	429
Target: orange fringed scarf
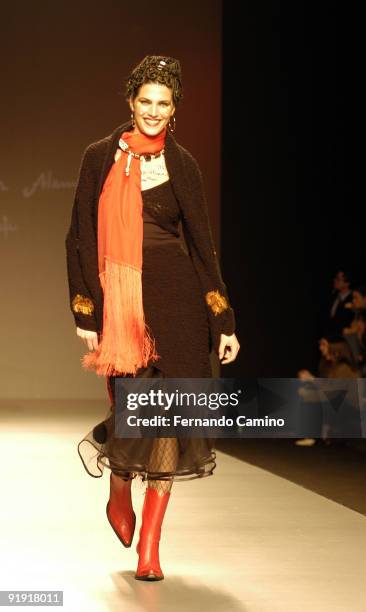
125	344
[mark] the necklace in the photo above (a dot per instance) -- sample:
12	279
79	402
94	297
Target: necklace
145	158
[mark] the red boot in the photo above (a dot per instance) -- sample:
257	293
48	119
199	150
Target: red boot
148	546
120	511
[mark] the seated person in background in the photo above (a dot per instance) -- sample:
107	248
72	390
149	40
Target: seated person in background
336	361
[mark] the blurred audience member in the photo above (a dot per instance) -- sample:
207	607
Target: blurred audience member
340	314
336	361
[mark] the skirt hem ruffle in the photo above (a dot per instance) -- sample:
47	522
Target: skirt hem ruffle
100	460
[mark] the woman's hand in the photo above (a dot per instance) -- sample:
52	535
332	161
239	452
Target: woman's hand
228	349
90	338
305	375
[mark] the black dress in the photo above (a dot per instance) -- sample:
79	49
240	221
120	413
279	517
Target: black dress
170	285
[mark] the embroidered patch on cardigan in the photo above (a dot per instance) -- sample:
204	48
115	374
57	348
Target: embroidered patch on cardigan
217	302
82	304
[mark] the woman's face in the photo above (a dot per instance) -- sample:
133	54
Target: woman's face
324	347
152	108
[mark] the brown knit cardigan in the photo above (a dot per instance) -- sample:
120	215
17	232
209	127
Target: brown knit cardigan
86	295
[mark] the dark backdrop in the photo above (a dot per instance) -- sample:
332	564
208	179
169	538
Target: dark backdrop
290	216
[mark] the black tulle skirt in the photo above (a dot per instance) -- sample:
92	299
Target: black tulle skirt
146	458
176	313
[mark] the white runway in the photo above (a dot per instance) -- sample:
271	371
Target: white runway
243	540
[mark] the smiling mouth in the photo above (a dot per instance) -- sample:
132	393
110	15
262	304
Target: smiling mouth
152	122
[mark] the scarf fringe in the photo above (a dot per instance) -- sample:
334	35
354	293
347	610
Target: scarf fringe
126	344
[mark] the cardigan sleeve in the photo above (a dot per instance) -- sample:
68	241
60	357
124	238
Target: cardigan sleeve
81	302
198	235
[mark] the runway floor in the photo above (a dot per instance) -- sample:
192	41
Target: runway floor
248	539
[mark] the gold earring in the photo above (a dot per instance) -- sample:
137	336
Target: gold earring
133	120
172	128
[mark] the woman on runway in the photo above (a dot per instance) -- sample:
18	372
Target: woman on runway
146	293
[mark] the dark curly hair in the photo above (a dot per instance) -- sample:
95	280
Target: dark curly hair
156	69
339	349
